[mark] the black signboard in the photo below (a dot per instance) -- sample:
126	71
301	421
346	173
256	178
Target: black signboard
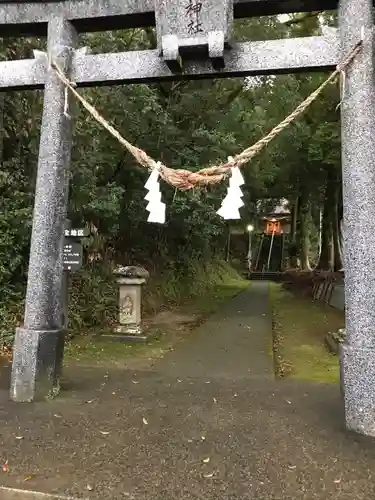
72	255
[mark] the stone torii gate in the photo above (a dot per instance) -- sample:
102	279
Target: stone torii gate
198	31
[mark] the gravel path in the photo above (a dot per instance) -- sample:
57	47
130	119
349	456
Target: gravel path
208	422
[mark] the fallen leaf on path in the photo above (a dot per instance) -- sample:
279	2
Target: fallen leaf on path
144	421
6	467
19	437
135	381
206	460
105	433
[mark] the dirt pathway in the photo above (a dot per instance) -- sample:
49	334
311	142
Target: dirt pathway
199	425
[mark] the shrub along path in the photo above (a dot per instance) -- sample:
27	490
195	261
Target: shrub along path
206	422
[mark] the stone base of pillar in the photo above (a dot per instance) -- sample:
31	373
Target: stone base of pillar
126	333
37	364
357	372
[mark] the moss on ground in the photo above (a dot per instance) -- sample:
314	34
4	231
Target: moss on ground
300	326
210	301
90	351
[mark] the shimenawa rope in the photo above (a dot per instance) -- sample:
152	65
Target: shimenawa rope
184	179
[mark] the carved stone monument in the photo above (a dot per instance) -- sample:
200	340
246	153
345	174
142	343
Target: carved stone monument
130	280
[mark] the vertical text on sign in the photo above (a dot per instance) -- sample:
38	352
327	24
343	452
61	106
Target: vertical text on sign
193	10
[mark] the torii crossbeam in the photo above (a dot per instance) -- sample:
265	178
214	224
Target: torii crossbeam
204	43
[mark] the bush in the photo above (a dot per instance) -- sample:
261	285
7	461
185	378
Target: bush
11	311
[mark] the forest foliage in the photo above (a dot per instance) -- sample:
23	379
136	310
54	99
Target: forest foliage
187	124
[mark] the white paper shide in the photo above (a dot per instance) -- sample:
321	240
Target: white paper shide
231	204
155	206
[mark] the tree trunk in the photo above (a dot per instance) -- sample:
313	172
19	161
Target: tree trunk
1	127
326	259
227	257
293	255
304	220
294	221
337	233
320	232
326	255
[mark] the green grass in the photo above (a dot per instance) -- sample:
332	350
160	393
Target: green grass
300	326
211	301
90	351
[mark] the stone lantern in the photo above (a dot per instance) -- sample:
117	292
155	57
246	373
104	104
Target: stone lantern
130	280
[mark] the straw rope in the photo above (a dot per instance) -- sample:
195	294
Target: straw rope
185	179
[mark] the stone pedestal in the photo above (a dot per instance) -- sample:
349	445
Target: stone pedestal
357	371
130	280
37	364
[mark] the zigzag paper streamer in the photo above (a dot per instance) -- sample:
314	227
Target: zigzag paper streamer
231	204
155	206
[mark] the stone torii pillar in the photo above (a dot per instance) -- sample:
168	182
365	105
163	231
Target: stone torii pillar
358	167
39	344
